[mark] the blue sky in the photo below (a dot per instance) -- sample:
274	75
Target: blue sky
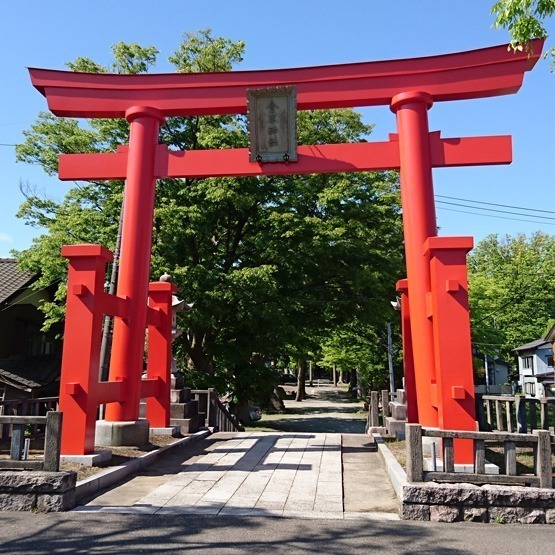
291	34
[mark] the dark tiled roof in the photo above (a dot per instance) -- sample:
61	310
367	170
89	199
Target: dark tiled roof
12	279
30	372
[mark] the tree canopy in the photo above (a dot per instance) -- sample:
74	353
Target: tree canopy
275	265
512	291
524	19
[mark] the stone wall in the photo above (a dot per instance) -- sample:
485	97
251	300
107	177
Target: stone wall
437	502
488	503
37	490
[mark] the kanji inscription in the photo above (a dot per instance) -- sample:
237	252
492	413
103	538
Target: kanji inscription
272	116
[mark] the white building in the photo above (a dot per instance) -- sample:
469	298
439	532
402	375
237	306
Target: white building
535	367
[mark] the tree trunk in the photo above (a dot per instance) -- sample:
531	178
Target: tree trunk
334	375
353	383
301	381
242	411
340	381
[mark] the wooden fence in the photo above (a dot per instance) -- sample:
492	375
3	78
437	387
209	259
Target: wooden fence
515	413
26	407
540	441
52	439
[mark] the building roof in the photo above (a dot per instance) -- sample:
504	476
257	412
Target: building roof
12	279
30	372
538	343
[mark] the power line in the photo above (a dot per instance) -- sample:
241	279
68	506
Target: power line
496	204
492	210
492	216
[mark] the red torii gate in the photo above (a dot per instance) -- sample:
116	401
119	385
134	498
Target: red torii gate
436	329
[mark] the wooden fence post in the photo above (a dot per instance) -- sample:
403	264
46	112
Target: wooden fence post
544	469
521	424
209	412
480	413
415	470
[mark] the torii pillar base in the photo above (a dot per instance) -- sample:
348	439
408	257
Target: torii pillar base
122	433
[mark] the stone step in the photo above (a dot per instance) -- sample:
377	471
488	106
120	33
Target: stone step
177	381
188	425
394	427
183	410
398	411
177	410
180	395
401	397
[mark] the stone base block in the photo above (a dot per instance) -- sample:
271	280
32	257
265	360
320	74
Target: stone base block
187	425
173	431
429	465
94	459
377	430
398	411
37	490
401	396
395	428
122	433
184	410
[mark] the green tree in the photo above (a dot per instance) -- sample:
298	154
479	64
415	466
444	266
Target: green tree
272	263
524	20
512	296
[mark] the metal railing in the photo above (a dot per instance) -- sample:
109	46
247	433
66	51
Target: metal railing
540	441
216	414
19	443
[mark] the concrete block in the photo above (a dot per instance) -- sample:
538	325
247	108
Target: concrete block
401	396
184	410
177	396
94	459
122	433
429	465
398	411
395	428
187	425
173	431
177	381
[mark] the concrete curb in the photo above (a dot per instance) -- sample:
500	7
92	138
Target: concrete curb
89	486
395	471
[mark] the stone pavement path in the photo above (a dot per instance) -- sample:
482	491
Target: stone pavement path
257	473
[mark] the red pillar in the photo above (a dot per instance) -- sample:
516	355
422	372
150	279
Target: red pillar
160	354
408	358
453	348
129	335
419	222
82	336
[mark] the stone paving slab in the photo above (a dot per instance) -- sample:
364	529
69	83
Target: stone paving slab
254	472
257	474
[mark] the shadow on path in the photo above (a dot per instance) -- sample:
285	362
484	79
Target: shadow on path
328	409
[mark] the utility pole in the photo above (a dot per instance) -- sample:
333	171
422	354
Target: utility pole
390	358
487	373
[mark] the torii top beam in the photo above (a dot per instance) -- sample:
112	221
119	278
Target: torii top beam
474	74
